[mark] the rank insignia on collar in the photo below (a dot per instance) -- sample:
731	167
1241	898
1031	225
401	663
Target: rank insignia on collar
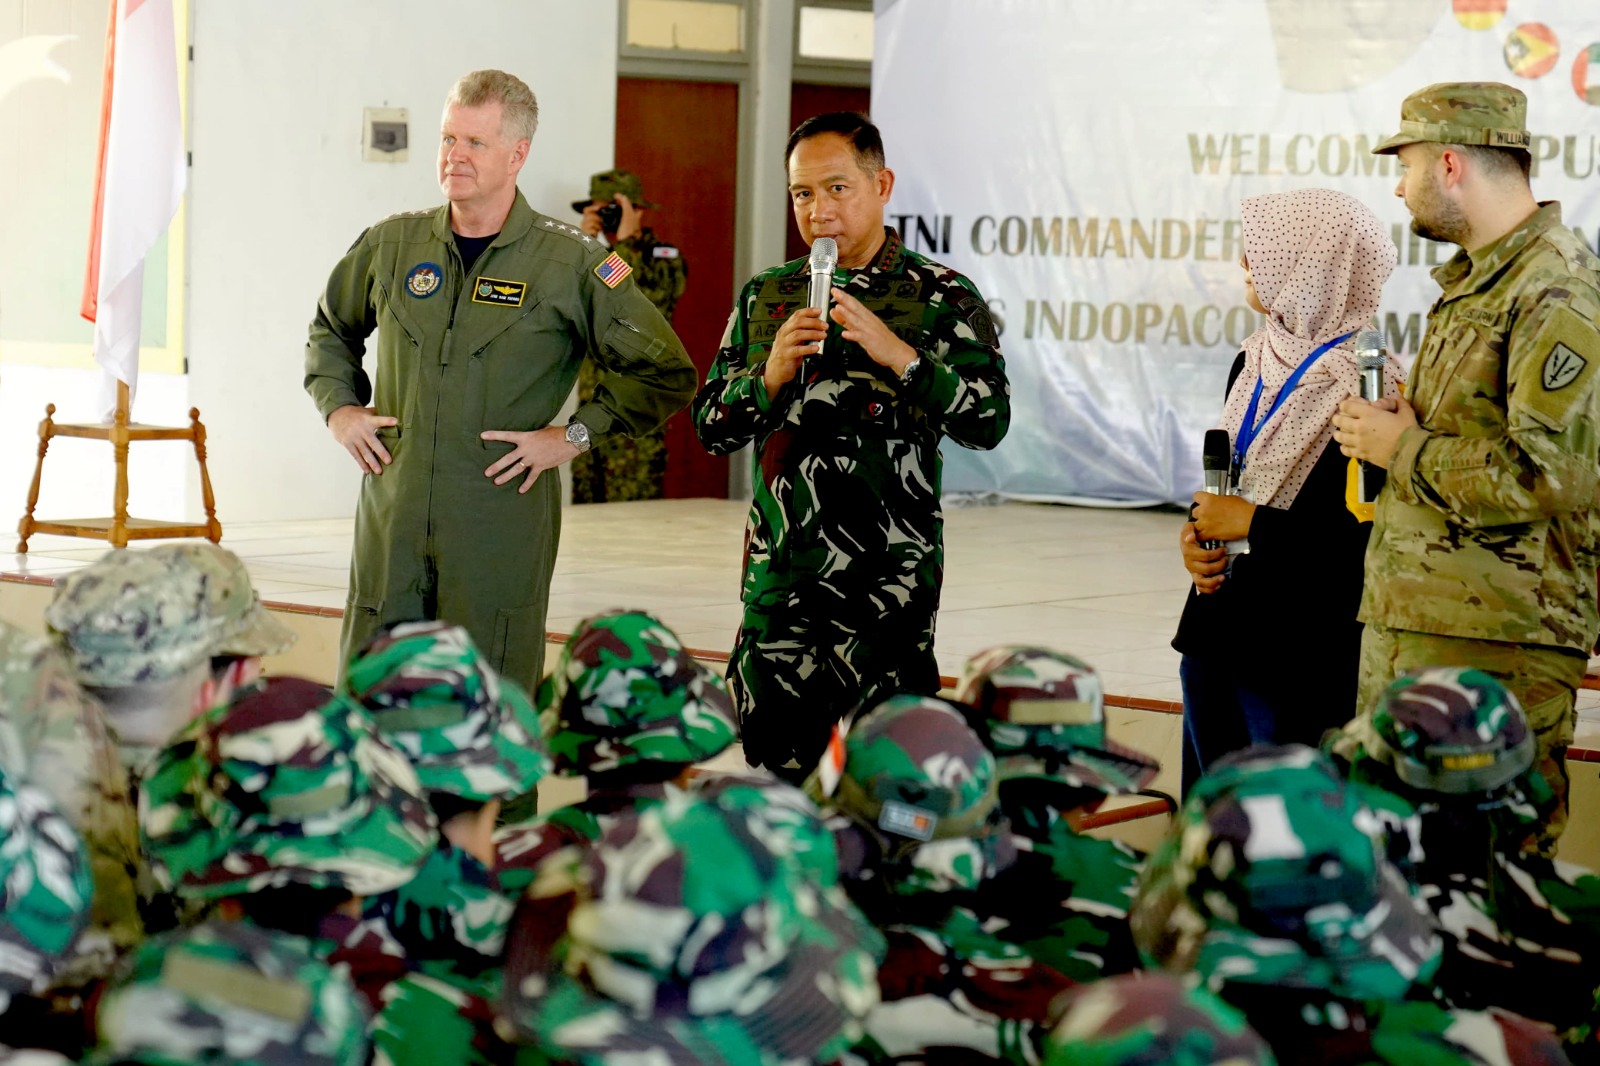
424	279
498	291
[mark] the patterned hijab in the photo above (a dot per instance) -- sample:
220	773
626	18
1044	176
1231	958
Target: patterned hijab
1318	259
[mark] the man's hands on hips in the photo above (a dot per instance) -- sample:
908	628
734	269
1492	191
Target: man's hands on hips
356	428
800	335
532	453
1370	431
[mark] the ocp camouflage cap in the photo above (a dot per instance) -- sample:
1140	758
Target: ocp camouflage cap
247	628
604	187
1045	717
625	691
1452	730
287	784
231	992
134	616
1484	113
468	731
1151	1020
45	885
694	943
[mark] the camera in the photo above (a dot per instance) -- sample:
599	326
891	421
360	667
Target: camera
610	217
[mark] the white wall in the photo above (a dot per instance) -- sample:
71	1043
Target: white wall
278	192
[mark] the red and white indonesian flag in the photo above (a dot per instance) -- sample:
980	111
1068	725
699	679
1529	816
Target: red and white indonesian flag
139	181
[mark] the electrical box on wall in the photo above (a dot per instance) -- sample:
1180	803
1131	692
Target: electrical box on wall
383	134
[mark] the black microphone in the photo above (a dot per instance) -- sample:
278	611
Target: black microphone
1216	459
1370	360
824	258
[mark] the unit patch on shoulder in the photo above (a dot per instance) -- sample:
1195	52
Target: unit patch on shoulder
612	270
1562	367
976	314
496	291
424	279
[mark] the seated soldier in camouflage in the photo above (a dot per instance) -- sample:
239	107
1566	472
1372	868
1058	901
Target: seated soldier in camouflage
474	740
701	935
629	709
1521	931
1273	889
230	992
1151	1020
920	838
286	808
1066	898
45	887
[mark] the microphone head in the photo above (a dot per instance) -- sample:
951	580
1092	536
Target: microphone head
1369	340
1216	454
824	255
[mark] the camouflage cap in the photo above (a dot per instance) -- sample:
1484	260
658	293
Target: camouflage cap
468	731
604	187
1451	729
1151	1020
1045	717
693	942
45	885
134	616
625	691
231	992
288	784
247	627
1484	113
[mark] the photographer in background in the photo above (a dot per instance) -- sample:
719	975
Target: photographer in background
633	468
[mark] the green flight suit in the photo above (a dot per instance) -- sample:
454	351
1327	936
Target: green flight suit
457	355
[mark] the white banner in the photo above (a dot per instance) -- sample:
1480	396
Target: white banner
1083	163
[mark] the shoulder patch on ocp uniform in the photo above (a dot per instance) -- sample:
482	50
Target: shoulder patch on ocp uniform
1562	367
975	312
1564	355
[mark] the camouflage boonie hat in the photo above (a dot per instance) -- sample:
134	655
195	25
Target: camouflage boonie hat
288	784
1274	873
133	616
604	187
468	731
1452	730
1045	717
694	943
231	992
247	627
45	885
1484	113
624	691
1151	1020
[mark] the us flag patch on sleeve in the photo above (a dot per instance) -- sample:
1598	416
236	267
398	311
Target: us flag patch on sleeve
612	269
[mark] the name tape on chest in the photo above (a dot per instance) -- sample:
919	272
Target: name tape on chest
499	291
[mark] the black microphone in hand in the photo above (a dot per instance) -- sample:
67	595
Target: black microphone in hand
1370	361
1216	460
824	258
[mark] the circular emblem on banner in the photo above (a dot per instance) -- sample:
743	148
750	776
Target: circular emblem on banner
1532	50
1586	75
1479	14
423	280
484	288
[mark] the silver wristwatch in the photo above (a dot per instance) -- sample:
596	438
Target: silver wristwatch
578	435
911	369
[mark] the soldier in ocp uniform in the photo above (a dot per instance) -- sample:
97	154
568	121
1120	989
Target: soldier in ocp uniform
1484	547
844	546
624	468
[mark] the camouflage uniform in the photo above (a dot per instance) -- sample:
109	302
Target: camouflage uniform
622	468
628	708
844	548
1066	899
1483	549
232	992
920	835
1152	1020
696	941
1520	931
1274	888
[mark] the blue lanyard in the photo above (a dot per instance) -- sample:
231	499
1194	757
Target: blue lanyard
1250	427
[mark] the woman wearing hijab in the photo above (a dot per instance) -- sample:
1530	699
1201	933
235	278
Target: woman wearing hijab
1270	641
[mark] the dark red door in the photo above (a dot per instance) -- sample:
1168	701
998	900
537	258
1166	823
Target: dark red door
681	138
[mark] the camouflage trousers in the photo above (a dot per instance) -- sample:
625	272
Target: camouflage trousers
1544	680
618	468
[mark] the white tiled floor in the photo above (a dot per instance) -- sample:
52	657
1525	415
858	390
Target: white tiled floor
1105	585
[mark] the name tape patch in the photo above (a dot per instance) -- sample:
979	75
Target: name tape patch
498	291
907	821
